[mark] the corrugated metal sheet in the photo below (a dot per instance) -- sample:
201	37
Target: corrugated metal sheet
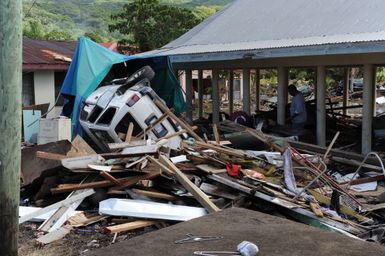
265	24
43	52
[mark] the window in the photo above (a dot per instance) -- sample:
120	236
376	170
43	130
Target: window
59	79
28	94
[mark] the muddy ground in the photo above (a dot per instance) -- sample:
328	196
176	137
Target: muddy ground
78	242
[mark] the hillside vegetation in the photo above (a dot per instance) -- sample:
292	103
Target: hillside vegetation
69	19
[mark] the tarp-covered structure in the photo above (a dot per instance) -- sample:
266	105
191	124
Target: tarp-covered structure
93	65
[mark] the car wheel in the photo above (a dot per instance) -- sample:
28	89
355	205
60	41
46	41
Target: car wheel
144	72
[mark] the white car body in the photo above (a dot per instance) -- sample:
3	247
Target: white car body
107	113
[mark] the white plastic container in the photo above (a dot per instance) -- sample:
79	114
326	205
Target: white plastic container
51	130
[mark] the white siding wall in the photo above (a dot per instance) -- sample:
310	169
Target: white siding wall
44	82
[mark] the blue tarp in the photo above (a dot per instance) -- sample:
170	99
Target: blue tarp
91	64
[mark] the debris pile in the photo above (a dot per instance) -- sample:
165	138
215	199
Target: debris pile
142	182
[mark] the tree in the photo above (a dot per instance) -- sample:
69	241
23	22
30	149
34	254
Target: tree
94	36
34	30
58	35
150	25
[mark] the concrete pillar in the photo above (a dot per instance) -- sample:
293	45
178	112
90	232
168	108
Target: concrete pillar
346	90
282	94
367	109
246	90
257	91
231	91
321	109
215	95
189	94
200	92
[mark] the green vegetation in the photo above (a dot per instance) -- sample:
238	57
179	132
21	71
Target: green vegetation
152	25
69	19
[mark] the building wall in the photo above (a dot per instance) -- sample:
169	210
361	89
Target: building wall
44	83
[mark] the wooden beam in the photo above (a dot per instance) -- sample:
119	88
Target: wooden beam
165	109
129	132
155	194
130	226
191	187
55	206
151	126
219	149
216	134
111	178
133	180
121	145
124	182
50	156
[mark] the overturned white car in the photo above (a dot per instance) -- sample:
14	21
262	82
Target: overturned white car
109	110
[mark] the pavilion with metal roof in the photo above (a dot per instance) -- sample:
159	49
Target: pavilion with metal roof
283	34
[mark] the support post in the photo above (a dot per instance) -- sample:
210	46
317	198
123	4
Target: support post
321	109
215	96
367	109
10	122
257	90
282	95
231	91
246	90
189	94
200	92
346	90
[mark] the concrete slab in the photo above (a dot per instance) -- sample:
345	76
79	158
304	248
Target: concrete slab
273	235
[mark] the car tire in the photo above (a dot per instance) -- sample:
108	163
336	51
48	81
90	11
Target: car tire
140	74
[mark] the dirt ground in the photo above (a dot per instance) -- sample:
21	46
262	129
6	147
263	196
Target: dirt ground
273	235
78	242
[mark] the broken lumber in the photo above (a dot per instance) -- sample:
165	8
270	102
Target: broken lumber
165	109
191	187
124	182
130	226
155	194
219	149
55	206
129	132
50	156
151	126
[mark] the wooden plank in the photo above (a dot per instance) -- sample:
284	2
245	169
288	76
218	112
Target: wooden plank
333	152
101	168
191	187
210	169
130	226
125	182
55	206
155	194
55	235
61	215
121	145
80	148
151	126
129	132
165	109
133	180
111	178
81	162
219	149
171	135
216	134
50	156
316	209
81	219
